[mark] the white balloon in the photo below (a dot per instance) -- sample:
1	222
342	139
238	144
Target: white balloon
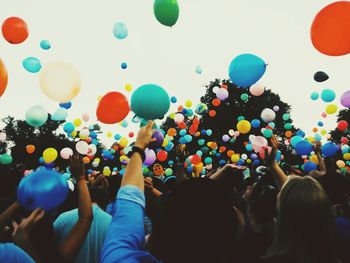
92	150
84	133
178	118
268	115
82	147
66	153
2	136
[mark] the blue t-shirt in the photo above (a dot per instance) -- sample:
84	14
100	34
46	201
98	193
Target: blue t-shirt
10	253
126	235
91	249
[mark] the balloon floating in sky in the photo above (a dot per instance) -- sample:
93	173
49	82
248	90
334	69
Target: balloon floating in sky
344	99
60	81
166	11
124	65
43	188
314	96
199	70
329	149
66	105
320	76
327	95
257	89
59	115
120	30
246	69
36	116
330	30
15	30
150	102
112	108
32	64
45	44
5	159
50	155
3	78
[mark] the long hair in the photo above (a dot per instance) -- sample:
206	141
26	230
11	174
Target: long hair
305	226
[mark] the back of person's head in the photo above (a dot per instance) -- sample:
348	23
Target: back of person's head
114	182
306	225
100	196
198	224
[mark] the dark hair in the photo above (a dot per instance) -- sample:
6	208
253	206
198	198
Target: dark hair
306	225
198	224
100	196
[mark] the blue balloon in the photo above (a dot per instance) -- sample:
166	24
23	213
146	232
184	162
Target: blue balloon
327	95
329	149
32	64
255	123
117	137
188	138
120	30
320	124
222	162
256	162
249	147
278	155
183	132
45	44
246	69
66	105
303	148
182	140
124	65
309	166
43	188
59	115
173	99
318	137
300	133
68	127
93	135
294	140
314	96
41	160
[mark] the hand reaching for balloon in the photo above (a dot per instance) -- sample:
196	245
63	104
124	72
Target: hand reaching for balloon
144	137
318	146
271	157
149	183
227	170
77	167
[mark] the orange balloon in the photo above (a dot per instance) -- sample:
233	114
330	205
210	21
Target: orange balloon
216	102
171	132
212	113
30	148
288	134
15	30
330	30
86	160
112	108
3	78
230	153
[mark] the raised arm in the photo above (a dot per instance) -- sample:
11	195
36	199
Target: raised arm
9	214
321	164
73	242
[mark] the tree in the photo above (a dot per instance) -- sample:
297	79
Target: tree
336	134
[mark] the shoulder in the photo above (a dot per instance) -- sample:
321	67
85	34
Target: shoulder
9	252
66	217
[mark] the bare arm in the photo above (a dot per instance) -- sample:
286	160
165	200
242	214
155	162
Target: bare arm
73	242
8	215
321	164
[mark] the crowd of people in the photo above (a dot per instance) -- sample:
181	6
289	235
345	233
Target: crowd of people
274	215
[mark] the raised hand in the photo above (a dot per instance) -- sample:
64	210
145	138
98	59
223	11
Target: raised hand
270	157
144	137
77	166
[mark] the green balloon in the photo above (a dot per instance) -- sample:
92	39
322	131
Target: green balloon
5	159
166	11
150	102
168	172
36	116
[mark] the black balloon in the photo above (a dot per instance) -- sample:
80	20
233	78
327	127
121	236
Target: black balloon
320	76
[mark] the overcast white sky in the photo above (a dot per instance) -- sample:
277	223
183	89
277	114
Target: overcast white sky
208	33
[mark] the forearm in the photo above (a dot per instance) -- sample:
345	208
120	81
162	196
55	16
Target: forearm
279	176
133	173
84	200
321	163
8	215
156	192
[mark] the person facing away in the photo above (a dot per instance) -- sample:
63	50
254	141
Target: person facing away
198	223
91	248
306	229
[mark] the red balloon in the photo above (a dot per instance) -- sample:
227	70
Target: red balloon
162	155
3	78
330	30
342	125
15	30
196	159
112	108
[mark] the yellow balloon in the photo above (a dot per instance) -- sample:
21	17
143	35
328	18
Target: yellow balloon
109	134
249	161
77	122
311	139
172	115
50	155
346	156
331	109
323	132
123	142
340	163
74	133
60	81
128	87
106	172
235	158
314	159
123	158
188	103
244	126
165	142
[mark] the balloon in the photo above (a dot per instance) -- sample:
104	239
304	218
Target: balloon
320	76
243	126
84	133
162	155
314	96
329	149
257	89
112	108
36	116
309	166
198	70
150	157
66	153
342	125
120	30
244	97
246	69
3	78
235	158
286	117
327	95
50	155
222	94
59	115
276	108
330	30
45	44
5	159
258	142
32	64
166	11
15	30
150	102
66	105
30	148
46	189
201	108
77	122
173	99
344	100
267	133
188	103
331	109
255	123
2	136
92	149
268	115
123	142
68	127
124	65
340	163
158	138
86	117
303	147
60	81
294	140
82	147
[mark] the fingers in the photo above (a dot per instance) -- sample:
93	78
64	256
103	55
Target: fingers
35	216
149	125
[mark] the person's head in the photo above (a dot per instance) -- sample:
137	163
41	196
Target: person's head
99	195
197	224
158	169
305	222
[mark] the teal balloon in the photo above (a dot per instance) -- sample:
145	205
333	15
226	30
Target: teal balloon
43	188
120	30
5	159
246	69
208	160
244	97
286	117
45	44
327	95
288	126
150	102
68	127
314	96
32	64
36	116
166	11
294	140
59	115
199	70
267	133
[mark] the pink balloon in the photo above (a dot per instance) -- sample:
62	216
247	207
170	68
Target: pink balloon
66	153
86	117
150	157
257	89
258	142
222	94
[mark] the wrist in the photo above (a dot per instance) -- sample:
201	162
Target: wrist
140	145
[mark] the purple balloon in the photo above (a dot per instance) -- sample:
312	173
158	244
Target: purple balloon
150	157
158	135
345	99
